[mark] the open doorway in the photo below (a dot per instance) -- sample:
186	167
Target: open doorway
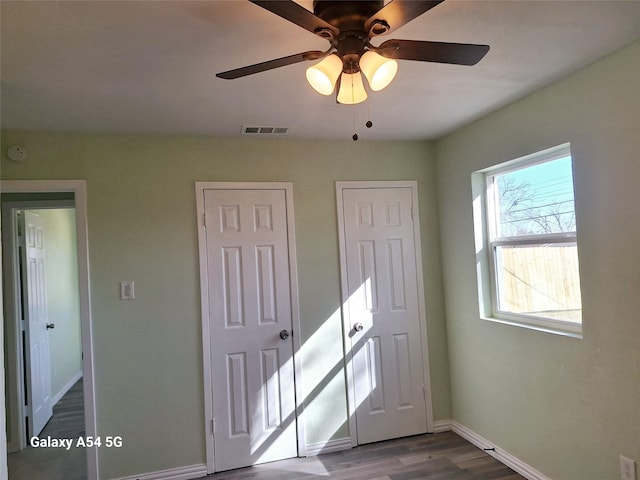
44	347
59	371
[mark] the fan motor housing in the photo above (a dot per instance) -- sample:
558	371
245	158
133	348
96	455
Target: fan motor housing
346	15
350	19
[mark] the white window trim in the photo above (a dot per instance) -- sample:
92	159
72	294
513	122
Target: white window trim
485	231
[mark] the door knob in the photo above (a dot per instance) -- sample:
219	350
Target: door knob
358	327
284	334
50	326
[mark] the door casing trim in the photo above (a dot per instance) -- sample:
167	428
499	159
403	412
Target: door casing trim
79	189
422	317
200	188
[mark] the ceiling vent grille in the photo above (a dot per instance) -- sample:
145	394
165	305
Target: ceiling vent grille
263	130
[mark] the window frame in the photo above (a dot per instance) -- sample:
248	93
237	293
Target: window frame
487	231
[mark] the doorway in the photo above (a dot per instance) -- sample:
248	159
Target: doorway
43	273
60	197
384	312
250	322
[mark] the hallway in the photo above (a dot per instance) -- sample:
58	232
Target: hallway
67	422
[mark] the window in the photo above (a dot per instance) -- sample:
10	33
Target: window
531	241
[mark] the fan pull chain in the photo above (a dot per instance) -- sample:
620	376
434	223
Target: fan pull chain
355	135
353	103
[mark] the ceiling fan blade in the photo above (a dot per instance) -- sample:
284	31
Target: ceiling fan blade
270	64
297	14
439	52
398	12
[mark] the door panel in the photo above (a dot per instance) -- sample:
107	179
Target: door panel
37	366
382	286
250	304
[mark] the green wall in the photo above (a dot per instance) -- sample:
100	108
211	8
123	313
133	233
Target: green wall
565	406
142	227
61	265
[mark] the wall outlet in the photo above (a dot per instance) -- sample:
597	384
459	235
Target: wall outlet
627	468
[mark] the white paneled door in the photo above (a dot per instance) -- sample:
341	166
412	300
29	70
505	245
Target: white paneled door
382	312
250	315
37	361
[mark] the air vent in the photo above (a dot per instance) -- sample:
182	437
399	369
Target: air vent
263	130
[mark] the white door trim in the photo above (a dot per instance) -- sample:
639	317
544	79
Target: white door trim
79	189
200	187
351	396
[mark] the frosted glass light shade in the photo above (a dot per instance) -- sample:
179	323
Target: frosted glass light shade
351	89
379	70
323	76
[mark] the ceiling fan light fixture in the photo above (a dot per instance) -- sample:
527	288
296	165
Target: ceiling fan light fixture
380	71
323	76
351	89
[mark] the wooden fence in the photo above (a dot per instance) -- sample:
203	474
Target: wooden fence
539	279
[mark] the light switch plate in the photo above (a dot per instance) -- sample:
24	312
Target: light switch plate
627	468
127	291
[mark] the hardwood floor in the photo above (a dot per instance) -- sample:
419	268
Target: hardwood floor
68	415
440	456
55	463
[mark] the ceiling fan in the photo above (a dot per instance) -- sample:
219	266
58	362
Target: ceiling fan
349	26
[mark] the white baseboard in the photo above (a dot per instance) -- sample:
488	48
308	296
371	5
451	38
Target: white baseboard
312	449
56	398
440	426
180	473
337	445
514	463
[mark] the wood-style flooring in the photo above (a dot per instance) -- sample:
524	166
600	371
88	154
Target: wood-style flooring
440	456
55	463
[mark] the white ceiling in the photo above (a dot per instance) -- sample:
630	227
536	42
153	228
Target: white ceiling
149	66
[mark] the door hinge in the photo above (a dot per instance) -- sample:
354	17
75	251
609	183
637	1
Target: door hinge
204	219
412	216
424	392
213	426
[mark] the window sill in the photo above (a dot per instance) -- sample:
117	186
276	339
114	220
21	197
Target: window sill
547	326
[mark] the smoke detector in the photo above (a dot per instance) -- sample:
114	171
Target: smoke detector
17	153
